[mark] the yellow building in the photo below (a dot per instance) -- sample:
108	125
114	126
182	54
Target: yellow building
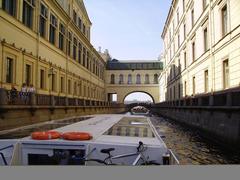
47	44
201	48
126	77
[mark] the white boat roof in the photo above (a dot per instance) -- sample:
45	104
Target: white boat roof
111	129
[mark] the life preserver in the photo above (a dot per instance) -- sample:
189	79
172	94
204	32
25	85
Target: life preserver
77	136
45	135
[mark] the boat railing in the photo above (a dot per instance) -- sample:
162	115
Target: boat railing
173	158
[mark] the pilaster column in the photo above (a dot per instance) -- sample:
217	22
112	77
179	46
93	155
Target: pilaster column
3	97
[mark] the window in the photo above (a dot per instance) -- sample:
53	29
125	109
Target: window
147	79
112	79
28	74
28	7
205	32
74	16
75	43
177	16
224	20
87	60
84	57
42	79
52	29
193	51
156	78
61	36
185	60
80	53
9	6
192	17
69	45
184	31
79	23
75	88
69	86
43	20
179	66
129	79
225	74
185	88
120	79
194	85
183	5
62	84
178	40
206	81
9	70
204	2
138	79
53	88
84	29
179	90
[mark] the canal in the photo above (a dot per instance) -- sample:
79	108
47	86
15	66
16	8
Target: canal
190	147
187	144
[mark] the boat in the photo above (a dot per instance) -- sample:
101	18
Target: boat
117	136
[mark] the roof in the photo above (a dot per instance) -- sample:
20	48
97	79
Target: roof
168	17
134	65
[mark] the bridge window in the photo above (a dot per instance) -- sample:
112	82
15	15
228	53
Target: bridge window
155	79
129	79
147	79
112	79
120	79
138	79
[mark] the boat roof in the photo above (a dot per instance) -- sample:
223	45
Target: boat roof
110	129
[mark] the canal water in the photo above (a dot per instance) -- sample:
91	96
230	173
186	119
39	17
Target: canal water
190	147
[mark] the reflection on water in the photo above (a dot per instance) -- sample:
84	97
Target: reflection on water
190	147
26	131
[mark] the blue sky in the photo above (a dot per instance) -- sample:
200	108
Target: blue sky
130	29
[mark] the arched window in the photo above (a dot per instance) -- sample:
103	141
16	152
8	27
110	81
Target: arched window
129	79
112	79
120	79
138	79
155	79
147	79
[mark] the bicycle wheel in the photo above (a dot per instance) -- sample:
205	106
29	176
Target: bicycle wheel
98	161
148	163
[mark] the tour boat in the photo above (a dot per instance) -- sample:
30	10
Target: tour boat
96	138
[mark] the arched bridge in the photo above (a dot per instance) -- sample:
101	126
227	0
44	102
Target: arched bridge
126	77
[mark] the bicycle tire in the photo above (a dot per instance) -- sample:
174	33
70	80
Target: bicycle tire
150	163
97	160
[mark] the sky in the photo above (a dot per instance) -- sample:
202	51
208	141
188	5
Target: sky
129	29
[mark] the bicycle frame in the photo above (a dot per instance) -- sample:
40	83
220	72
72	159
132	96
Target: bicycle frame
139	154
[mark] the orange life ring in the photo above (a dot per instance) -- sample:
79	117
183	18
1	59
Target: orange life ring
77	136
45	135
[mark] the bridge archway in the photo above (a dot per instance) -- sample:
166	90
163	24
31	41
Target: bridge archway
142	94
123	91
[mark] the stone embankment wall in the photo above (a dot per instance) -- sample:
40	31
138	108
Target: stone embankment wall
216	115
18	109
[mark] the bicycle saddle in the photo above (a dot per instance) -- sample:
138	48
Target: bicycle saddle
107	151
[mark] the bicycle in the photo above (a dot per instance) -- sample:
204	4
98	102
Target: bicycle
140	156
64	157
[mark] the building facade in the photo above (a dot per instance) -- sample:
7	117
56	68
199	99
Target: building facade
47	44
201	48
126	77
